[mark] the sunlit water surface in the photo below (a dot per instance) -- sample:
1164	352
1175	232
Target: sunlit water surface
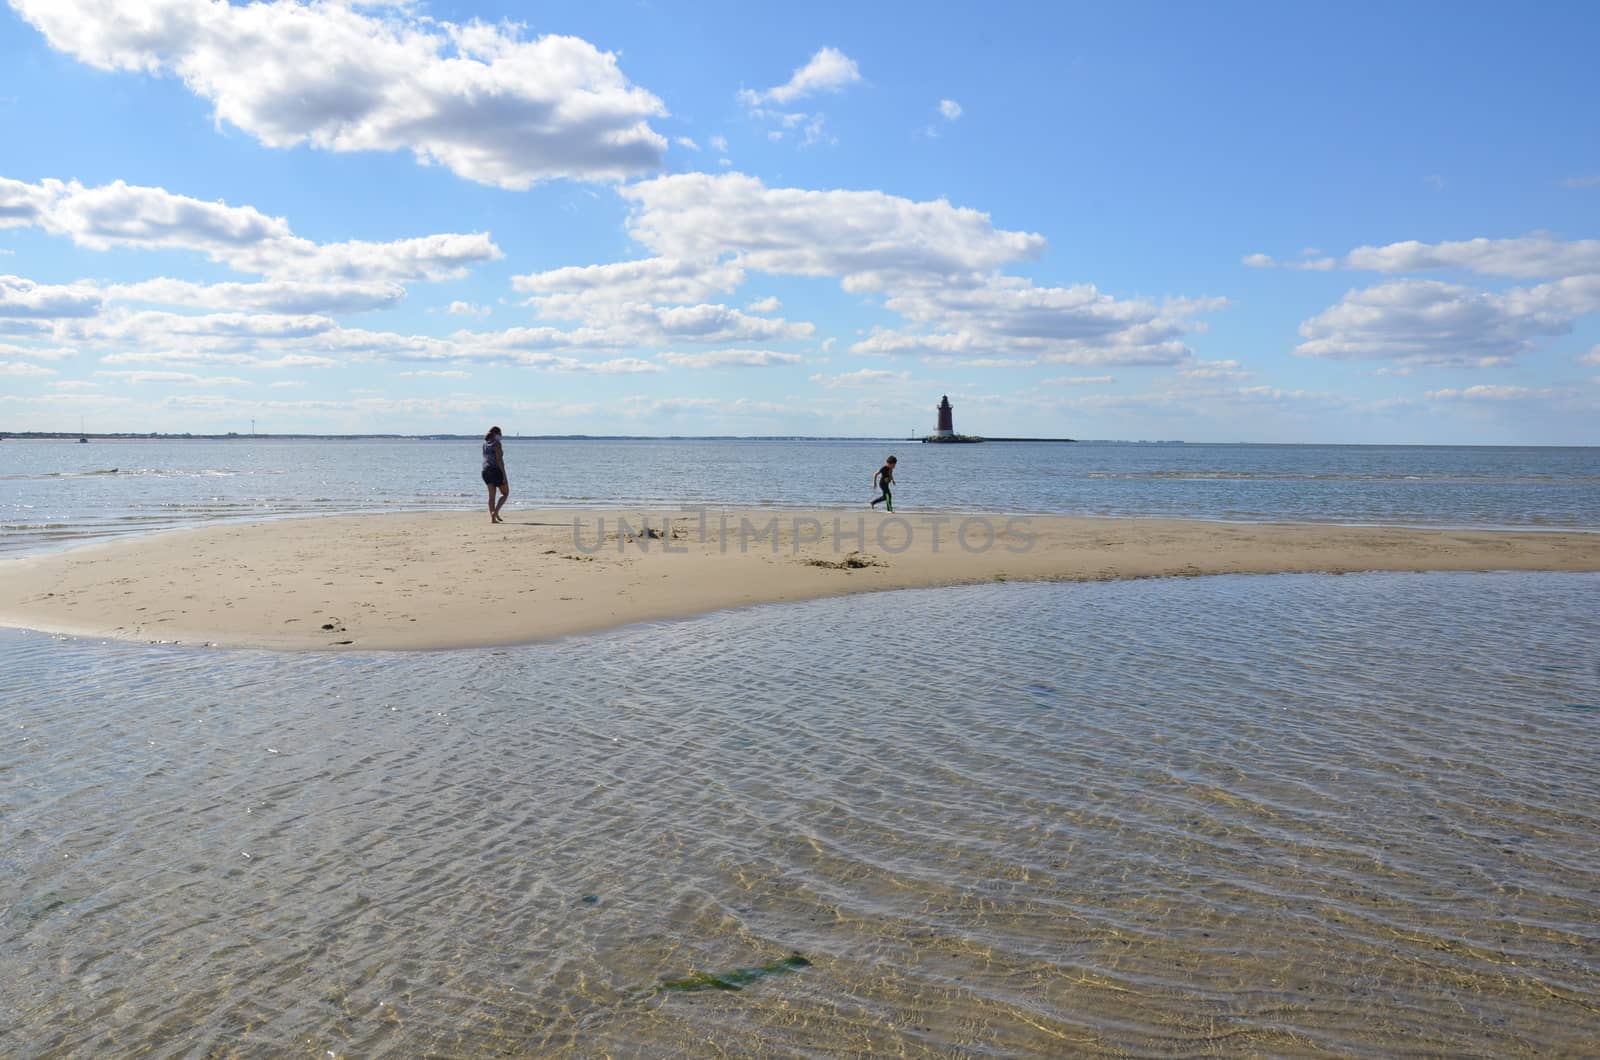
54	494
1272	816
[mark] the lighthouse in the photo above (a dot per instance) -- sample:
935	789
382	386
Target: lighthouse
946	431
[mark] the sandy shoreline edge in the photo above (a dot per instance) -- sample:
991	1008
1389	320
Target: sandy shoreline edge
431	580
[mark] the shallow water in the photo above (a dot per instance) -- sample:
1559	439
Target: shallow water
1240	815
58	493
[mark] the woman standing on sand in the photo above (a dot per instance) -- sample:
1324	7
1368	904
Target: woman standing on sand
494	473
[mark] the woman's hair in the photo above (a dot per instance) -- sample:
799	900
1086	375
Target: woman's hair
492	432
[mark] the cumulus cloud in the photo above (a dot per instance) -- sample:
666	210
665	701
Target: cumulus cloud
949	109
934	264
1592	357
468	309
242	237
1529	257
730	359
628	303
988	314
1588	180
1434	323
429	373
829	70
480	99
857	235
271	296
590	292
1078	380
23	298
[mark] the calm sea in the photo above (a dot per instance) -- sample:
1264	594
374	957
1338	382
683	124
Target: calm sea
61	492
1288	815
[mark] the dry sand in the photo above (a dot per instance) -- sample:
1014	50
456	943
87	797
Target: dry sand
451	579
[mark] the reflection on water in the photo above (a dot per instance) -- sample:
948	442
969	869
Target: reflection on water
1286	815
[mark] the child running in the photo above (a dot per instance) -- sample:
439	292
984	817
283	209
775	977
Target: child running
882	479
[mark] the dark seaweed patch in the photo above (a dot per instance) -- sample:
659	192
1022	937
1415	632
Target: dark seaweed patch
735	979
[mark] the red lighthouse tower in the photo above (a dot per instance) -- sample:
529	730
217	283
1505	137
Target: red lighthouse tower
946	419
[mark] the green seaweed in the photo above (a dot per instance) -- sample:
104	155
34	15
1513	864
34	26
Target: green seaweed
736	979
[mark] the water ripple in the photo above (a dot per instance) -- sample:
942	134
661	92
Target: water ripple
1295	815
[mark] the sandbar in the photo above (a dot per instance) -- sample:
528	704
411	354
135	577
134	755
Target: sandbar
435	580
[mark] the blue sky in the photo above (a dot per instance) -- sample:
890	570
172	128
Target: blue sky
1350	223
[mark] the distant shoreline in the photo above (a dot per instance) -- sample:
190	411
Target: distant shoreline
73	436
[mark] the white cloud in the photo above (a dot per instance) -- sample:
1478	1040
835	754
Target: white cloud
1079	380
999	316
1266	261
16	369
861	377
36	353
714	324
617	366
1492	393
950	109
270	296
1592	357
684	141
242	237
638	405
428	373
600	292
765	305
932	261
1536	256
1197	369
1433	323
850	234
1529	257
20	297
186	378
718	144
477	98
730	359
829	70
468	309
983	362
1589	180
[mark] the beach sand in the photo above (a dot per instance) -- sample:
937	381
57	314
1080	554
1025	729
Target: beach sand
451	579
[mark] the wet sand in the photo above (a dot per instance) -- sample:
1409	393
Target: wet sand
451	579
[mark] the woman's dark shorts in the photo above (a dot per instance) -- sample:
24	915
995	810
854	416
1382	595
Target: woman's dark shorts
493	477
